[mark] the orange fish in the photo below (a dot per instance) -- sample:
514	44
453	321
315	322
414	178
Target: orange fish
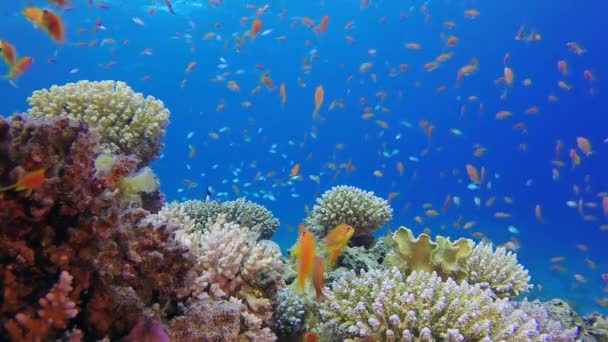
473	175
319	94
336	240
295	171
30	181
22	65
9	54
283	92
310	336
400	168
305	254
191	67
509	76
318	281
584	145
34	15
256	27
323	25
53	25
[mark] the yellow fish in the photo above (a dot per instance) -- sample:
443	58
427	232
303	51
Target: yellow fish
336	240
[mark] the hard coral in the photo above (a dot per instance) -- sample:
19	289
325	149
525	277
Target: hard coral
497	269
233	264
118	264
353	206
387	305
128	123
56	227
242	212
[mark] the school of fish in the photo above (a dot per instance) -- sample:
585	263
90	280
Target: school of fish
249	47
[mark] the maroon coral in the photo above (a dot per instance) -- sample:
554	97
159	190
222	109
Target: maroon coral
73	225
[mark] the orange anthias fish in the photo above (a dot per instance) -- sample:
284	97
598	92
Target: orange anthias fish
283	92
256	27
318	280
30	181
22	65
319	94
295	171
8	53
336	240
305	253
47	20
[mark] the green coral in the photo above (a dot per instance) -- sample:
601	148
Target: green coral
389	306
127	122
422	254
347	204
242	212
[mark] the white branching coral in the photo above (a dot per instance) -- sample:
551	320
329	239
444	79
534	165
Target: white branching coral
233	264
497	270
422	307
348	204
127	122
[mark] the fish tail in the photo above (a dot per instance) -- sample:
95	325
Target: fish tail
300	284
6	188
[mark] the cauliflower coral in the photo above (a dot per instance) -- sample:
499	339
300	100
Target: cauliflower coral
348	204
127	122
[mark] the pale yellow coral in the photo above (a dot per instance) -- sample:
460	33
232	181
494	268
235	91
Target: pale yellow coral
128	123
443	256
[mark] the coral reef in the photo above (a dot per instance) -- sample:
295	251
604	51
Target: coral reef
233	264
498	270
127	122
242	212
595	328
562	312
389	306
353	206
290	314
114	267
480	264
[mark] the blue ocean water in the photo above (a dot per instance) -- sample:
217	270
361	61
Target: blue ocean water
258	145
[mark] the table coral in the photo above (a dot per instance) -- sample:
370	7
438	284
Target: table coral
128	123
387	305
347	204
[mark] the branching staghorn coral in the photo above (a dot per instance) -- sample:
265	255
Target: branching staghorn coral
353	206
422	307
242	212
127	122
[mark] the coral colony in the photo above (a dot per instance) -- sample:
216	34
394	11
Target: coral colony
90	251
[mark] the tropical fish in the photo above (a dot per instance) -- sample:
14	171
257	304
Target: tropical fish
336	240
318	281
305	254
22	65
9	54
319	94
28	182
169	6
